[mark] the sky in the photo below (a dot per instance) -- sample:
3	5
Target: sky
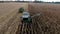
37	0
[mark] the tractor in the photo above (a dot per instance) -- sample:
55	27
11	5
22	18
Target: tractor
21	10
26	18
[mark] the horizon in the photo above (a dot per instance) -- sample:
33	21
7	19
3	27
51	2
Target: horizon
34	0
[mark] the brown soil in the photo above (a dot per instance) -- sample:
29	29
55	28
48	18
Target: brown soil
46	23
9	17
49	20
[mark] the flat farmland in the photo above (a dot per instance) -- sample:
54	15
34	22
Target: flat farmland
48	22
9	17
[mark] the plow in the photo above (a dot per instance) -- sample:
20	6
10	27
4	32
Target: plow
24	29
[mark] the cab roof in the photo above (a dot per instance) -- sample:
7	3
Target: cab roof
25	13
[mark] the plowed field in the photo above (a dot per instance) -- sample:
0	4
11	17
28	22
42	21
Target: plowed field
9	17
48	22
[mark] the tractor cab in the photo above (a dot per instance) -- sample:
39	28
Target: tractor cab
26	17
